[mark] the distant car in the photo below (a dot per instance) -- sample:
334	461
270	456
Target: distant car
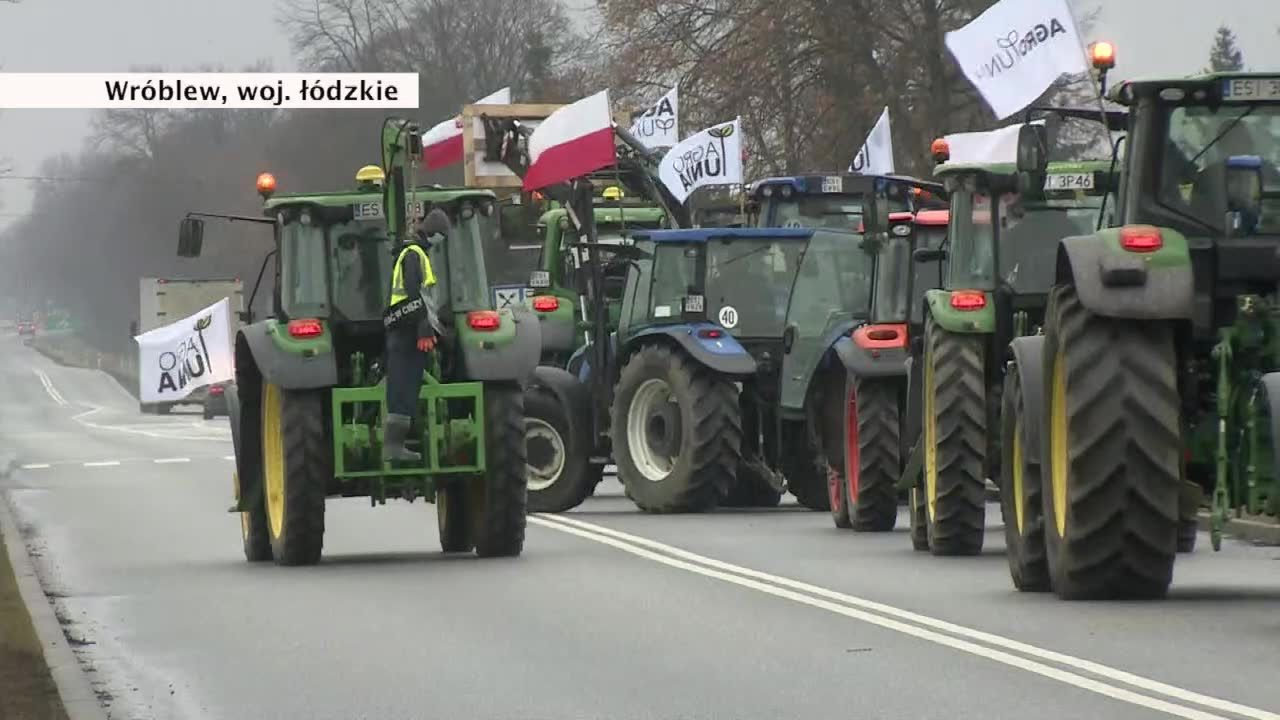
26	329
215	402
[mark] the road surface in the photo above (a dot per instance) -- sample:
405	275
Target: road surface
609	613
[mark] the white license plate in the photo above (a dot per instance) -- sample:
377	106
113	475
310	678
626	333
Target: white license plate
1246	89
1069	181
694	304
833	184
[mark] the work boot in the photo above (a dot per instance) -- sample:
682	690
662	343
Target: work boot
394	433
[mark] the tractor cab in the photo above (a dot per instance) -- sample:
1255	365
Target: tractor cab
831	201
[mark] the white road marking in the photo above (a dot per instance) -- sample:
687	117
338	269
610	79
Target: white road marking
103	463
228	457
925	627
166	461
145	430
50	389
36	466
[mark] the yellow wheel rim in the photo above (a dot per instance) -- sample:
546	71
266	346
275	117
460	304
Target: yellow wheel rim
1058	442
273	458
1017	470
930	438
244	516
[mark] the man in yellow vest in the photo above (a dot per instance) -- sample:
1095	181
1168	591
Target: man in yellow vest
411	328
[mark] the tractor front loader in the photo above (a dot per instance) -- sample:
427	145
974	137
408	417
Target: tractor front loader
309	400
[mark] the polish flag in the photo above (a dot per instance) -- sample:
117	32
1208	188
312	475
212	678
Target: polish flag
575	140
442	144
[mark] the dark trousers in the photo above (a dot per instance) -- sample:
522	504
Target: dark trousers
405	365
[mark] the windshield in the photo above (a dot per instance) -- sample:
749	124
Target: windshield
971	258
304	291
468	284
1192	178
677	273
361	266
837	212
748	282
1029	240
928	275
509	258
893	262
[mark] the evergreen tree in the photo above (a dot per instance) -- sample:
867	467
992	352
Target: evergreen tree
1225	55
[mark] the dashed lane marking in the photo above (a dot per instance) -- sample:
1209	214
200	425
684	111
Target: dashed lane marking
102	463
166	461
35	466
1108	681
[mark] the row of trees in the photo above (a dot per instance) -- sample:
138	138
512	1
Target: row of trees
808	77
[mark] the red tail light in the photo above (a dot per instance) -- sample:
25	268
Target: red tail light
484	320
709	334
880	337
546	303
1141	238
968	300
216	390
306	328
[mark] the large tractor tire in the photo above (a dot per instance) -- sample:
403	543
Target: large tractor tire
253	530
246	442
500	499
1113	453
1021	504
677	432
955	440
561	476
453	518
919	520
805	466
872	453
296	468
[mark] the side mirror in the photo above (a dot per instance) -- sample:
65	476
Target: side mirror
928	255
190	237
246	316
1033	149
414	143
614	286
1244	192
875	214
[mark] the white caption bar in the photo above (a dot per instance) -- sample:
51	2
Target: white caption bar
159	91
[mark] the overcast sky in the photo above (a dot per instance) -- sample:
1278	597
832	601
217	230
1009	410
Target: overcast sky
1152	37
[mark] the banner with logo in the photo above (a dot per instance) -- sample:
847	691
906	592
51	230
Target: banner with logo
710	157
194	352
876	155
1015	50
659	125
990	146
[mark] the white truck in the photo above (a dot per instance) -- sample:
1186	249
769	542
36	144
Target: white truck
164	301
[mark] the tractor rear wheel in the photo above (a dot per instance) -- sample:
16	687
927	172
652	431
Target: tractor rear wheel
253	528
677	432
1113	433
1020	492
560	474
296	469
955	442
804	465
499	499
453	518
919	519
872	463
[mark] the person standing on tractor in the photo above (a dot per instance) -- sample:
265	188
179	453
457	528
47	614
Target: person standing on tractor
411	330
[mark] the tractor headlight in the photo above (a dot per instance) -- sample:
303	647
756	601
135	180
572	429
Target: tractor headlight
486	208
767	191
467	211
304	217
901	230
787	191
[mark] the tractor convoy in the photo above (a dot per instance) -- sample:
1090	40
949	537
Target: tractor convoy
1097	341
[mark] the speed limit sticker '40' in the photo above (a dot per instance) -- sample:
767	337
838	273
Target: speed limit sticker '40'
728	317
1069	181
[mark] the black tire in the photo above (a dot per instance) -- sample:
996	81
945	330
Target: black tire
707	442
755	486
839	495
499	501
804	465
453	518
296	450
1188	531
919	519
872	423
253	530
560	474
1021	504
1115	406
955	395
207	414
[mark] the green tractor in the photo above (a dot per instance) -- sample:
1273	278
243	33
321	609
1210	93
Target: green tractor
309	398
1157	373
870	424
1002	235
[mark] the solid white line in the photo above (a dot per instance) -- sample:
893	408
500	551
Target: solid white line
752	578
103	463
36	466
228	457
133	430
50	389
166	461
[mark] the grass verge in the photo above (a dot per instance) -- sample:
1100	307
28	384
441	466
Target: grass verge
27	690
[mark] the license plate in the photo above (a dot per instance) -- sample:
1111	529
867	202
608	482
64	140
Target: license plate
694	304
833	184
1069	181
1251	89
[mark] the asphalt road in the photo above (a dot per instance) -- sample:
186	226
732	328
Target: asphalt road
609	613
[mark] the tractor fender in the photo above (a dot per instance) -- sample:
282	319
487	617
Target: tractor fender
1113	282
1028	362
722	354
289	363
869	358
511	352
559	327
1271	387
980	320
571	395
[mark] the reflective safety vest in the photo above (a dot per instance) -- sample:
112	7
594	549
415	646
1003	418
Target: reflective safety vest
398	293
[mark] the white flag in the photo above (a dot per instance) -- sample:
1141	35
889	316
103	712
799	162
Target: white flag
189	354
992	146
710	157
1016	49
659	125
876	155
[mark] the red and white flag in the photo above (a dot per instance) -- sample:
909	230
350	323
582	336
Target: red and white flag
442	144
575	140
